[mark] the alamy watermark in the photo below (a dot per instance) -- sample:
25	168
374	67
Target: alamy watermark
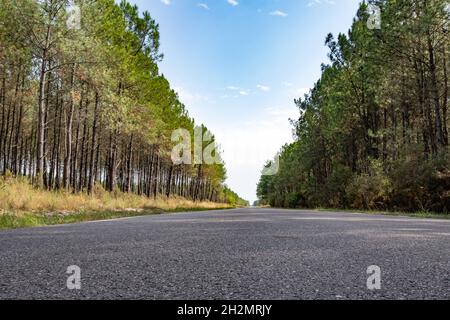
374	280
73	21
205	151
74	279
374	21
202	149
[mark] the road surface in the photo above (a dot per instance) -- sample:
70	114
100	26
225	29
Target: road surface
236	254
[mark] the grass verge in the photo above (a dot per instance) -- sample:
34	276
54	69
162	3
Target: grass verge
22	205
423	215
28	220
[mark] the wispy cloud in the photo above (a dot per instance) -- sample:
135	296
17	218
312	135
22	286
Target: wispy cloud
233	2
166	2
263	88
318	2
237	92
190	98
279	13
203	5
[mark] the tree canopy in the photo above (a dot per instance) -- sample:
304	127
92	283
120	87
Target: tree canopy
84	105
373	132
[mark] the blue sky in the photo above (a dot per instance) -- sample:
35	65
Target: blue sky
239	64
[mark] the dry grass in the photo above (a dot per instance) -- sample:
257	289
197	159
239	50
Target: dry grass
19	198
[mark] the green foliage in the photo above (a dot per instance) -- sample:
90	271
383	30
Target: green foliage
373	132
233	198
105	114
370	190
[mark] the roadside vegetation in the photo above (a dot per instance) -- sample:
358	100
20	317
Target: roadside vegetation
419	214
373	132
23	205
86	117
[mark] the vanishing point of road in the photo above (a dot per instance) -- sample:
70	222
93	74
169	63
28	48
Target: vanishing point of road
235	254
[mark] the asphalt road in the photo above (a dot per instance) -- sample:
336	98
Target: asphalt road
237	254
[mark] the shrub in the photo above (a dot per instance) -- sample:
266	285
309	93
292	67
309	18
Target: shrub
337	186
370	190
292	200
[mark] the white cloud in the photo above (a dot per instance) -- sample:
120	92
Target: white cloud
263	88
233	2
318	2
278	13
203	5
239	92
166	2
189	98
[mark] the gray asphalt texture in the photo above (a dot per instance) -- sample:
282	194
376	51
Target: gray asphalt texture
235	254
